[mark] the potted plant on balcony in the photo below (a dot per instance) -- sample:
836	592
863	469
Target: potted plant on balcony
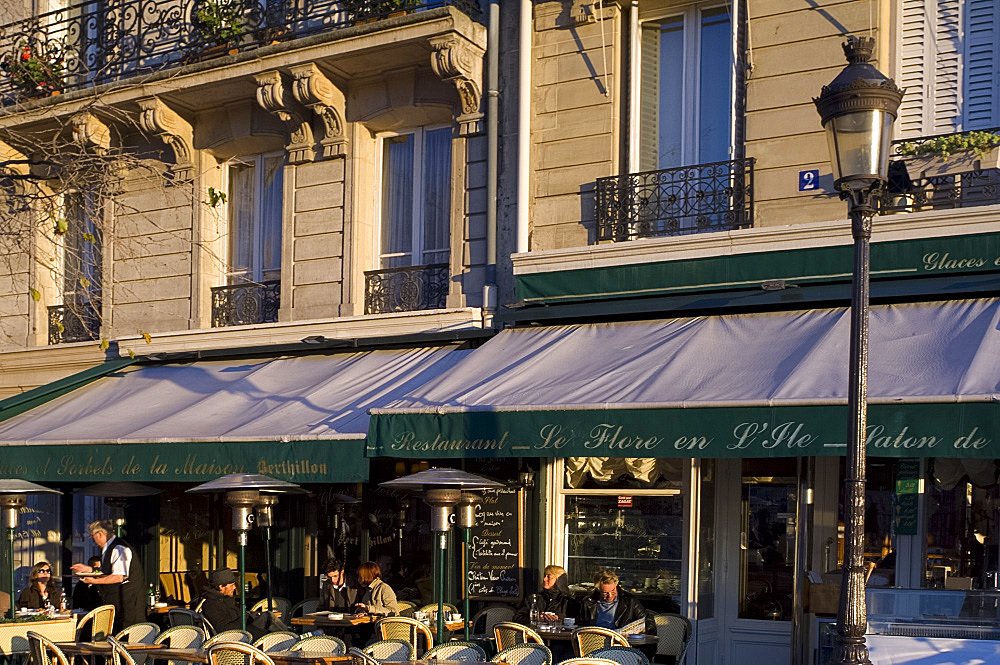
365	11
220	26
34	70
951	154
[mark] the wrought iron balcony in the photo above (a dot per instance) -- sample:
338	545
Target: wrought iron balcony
933	181
406	289
678	201
90	43
74	322
246	304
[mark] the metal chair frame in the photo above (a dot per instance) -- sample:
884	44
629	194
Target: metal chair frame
585	640
119	654
44	651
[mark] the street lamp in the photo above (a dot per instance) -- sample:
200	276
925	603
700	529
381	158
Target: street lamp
243	493
857	109
12	500
442	490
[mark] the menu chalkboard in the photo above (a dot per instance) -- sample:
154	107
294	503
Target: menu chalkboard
495	556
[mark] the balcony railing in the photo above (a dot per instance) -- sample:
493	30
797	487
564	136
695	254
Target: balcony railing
678	201
101	41
246	304
74	323
928	182
406	289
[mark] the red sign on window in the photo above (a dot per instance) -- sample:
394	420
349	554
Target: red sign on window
624	502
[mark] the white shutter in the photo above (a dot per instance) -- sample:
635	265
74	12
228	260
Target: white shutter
914	56
982	64
649	97
948	67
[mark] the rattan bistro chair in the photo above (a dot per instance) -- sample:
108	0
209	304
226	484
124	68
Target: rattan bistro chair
98	621
119	654
44	651
408	630
674	633
235	635
525	654
622	655
182	637
277	641
588	661
237	653
138	633
509	633
325	644
394	650
359	657
590	638
462	651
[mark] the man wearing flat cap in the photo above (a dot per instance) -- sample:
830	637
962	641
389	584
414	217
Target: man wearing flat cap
222	610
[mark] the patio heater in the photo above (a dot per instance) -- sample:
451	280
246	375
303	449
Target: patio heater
244	492
467	504
857	110
340	523
114	494
441	490
12	499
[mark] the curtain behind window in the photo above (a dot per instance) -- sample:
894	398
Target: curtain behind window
397	201
241	211
271	214
437	195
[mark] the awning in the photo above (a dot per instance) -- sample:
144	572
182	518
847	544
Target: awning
300	418
740	385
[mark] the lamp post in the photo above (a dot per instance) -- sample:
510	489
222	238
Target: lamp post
441	489
243	494
467	504
857	110
12	500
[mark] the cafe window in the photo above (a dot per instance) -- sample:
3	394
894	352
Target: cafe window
767	539
626	515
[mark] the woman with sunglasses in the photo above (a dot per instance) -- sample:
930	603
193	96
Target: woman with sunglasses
41	591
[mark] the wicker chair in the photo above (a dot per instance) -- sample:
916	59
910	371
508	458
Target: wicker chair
408	630
237	653
394	650
491	616
119	654
359	657
456	651
44	651
182	637
588	661
277	641
524	654
301	608
509	633
406	608
324	644
430	609
637	627
280	605
621	655
98	621
229	636
674	632
590	638
138	633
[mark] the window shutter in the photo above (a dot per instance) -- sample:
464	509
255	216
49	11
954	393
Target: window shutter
914	55
948	67
982	64
649	98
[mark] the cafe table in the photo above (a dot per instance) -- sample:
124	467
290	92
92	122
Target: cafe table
324	620
14	636
160	652
564	633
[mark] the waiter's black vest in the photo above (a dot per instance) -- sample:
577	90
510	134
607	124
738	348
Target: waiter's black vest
128	598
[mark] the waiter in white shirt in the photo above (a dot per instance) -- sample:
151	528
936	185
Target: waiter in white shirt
122	585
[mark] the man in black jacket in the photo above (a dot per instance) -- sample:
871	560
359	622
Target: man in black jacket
223	611
609	606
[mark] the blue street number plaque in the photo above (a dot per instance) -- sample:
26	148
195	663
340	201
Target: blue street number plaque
808	180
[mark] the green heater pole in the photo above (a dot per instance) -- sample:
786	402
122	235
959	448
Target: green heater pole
442	544
10	571
242	579
465	516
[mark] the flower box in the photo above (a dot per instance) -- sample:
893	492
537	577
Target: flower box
929	166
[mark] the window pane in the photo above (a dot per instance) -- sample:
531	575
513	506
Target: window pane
671	118
641	541
437	195
715	105
271	213
706	542
767	541
241	210
397	201
82	249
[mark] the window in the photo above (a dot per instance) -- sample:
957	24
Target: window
416	198
78	318
255	213
949	65
686	89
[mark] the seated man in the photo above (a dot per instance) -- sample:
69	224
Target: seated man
609	606
222	610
